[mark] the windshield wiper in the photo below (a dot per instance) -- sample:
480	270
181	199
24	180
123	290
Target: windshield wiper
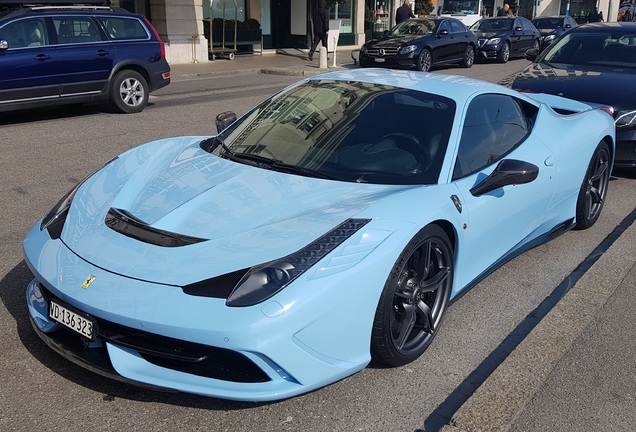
273	164
295	169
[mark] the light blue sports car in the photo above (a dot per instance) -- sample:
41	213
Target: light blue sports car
330	226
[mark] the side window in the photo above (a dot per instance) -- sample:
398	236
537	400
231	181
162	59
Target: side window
457	27
444	26
25	33
527	25
76	29
120	28
494	126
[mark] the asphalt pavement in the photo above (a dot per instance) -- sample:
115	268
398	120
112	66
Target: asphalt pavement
569	366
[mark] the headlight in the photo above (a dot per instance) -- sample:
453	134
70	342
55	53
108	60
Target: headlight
493	41
408	49
54	219
626	118
263	281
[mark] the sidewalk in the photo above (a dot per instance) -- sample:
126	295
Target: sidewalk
282	62
575	371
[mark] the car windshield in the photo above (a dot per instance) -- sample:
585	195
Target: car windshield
492	25
413	27
467	7
547	23
345	131
594	49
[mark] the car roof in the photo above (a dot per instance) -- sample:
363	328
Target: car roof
457	87
605	26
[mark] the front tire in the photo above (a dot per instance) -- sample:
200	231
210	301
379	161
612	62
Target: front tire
129	92
594	188
469	57
414	299
425	60
504	54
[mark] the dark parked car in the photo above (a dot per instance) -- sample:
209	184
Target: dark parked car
52	55
552	27
421	43
501	38
591	63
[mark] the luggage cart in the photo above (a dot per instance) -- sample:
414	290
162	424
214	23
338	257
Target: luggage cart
223	51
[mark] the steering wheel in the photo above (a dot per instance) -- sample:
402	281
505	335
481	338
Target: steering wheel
411	144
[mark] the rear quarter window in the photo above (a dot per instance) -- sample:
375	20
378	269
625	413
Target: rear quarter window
120	28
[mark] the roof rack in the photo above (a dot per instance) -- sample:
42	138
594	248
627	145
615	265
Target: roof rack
55	2
70	7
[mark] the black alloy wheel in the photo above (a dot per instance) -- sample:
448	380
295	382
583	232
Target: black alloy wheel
594	188
425	60
504	54
469	57
414	299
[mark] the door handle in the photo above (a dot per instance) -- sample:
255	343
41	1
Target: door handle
42	57
102	53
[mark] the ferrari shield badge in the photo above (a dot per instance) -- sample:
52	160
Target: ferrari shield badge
89	280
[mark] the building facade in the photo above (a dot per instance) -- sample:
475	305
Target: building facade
184	25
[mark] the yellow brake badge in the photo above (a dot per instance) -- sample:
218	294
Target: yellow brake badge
89	280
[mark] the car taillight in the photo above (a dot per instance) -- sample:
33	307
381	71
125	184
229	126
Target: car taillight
607	109
154	31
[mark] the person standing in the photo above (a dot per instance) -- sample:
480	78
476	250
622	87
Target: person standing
404	12
320	18
504	10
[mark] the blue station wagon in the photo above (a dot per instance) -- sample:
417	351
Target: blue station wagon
52	55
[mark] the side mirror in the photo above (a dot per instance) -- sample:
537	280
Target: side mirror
4	45
508	172
568	26
519	28
443	32
532	54
224	119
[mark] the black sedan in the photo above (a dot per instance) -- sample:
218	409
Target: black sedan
591	63
552	27
501	38
421	43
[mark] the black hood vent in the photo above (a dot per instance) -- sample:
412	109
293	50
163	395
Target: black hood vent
130	226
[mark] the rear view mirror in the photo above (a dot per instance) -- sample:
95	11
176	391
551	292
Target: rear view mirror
224	119
508	172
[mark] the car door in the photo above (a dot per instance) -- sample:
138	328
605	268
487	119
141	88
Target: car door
445	44
496	127
461	37
28	63
84	55
529	34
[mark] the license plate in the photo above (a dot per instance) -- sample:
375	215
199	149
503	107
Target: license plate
81	324
379	60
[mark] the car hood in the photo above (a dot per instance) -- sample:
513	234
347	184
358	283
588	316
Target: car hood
489	35
392	41
246	215
548	32
599	85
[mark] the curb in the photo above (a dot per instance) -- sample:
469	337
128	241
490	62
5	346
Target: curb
504	395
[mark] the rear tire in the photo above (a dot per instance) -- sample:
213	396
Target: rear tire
414	299
594	188
129	92
469	57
